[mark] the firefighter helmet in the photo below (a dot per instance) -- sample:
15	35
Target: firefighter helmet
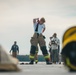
69	48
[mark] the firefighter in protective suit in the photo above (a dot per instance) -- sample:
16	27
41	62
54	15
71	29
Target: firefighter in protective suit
39	28
69	48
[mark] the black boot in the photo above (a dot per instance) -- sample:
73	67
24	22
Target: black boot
48	62
36	61
59	62
31	62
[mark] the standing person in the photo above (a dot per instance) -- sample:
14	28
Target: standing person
14	49
55	43
39	28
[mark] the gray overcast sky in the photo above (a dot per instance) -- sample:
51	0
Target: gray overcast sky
16	20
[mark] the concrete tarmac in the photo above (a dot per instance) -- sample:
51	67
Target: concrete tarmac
40	69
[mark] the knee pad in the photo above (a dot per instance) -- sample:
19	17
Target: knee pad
33	50
44	50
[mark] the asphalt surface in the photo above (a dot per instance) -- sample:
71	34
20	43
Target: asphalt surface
40	69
